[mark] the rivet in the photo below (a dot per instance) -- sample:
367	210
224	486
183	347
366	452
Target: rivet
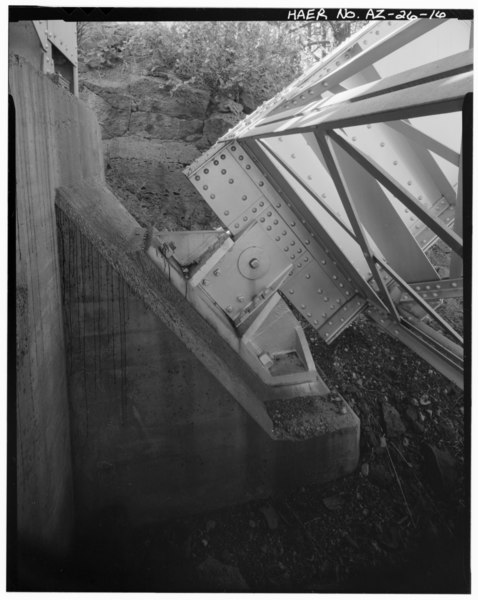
276	222
205	187
324	195
262	219
354	139
315	322
248	167
244	218
307	276
326	299
205	282
278	205
319	291
382	144
241	157
284	233
244	197
261	183
299	265
291	291
292	256
409	182
226	212
268	228
306	259
216	162
302	305
212	196
223	156
233	148
286	249
369	127
309	314
334	276
229	309
206	171
292	155
236	226
324	315
197	178
217	272
323	262
292	243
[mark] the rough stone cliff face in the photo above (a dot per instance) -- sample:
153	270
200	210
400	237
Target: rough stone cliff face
152	128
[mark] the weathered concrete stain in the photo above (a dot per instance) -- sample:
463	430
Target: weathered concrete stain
57	141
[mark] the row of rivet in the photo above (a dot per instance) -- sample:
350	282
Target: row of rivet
342	318
302	232
325	70
423	234
202	182
438	208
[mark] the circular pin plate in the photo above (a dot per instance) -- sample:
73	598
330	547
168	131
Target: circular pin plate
253	262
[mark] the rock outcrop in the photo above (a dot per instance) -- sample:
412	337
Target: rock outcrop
152	128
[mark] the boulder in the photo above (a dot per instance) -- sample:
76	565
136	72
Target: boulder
216	576
440	468
249	102
217	125
393	422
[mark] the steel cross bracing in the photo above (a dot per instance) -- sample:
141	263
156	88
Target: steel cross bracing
333	193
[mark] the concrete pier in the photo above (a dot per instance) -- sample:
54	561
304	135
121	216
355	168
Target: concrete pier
157	430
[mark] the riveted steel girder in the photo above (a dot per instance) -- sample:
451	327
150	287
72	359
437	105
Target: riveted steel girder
354	173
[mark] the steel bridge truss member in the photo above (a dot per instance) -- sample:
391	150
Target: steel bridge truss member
334	196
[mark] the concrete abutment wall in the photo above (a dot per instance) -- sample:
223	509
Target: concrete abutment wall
119	404
56	141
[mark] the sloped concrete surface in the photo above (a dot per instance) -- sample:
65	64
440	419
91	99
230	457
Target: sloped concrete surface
166	418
